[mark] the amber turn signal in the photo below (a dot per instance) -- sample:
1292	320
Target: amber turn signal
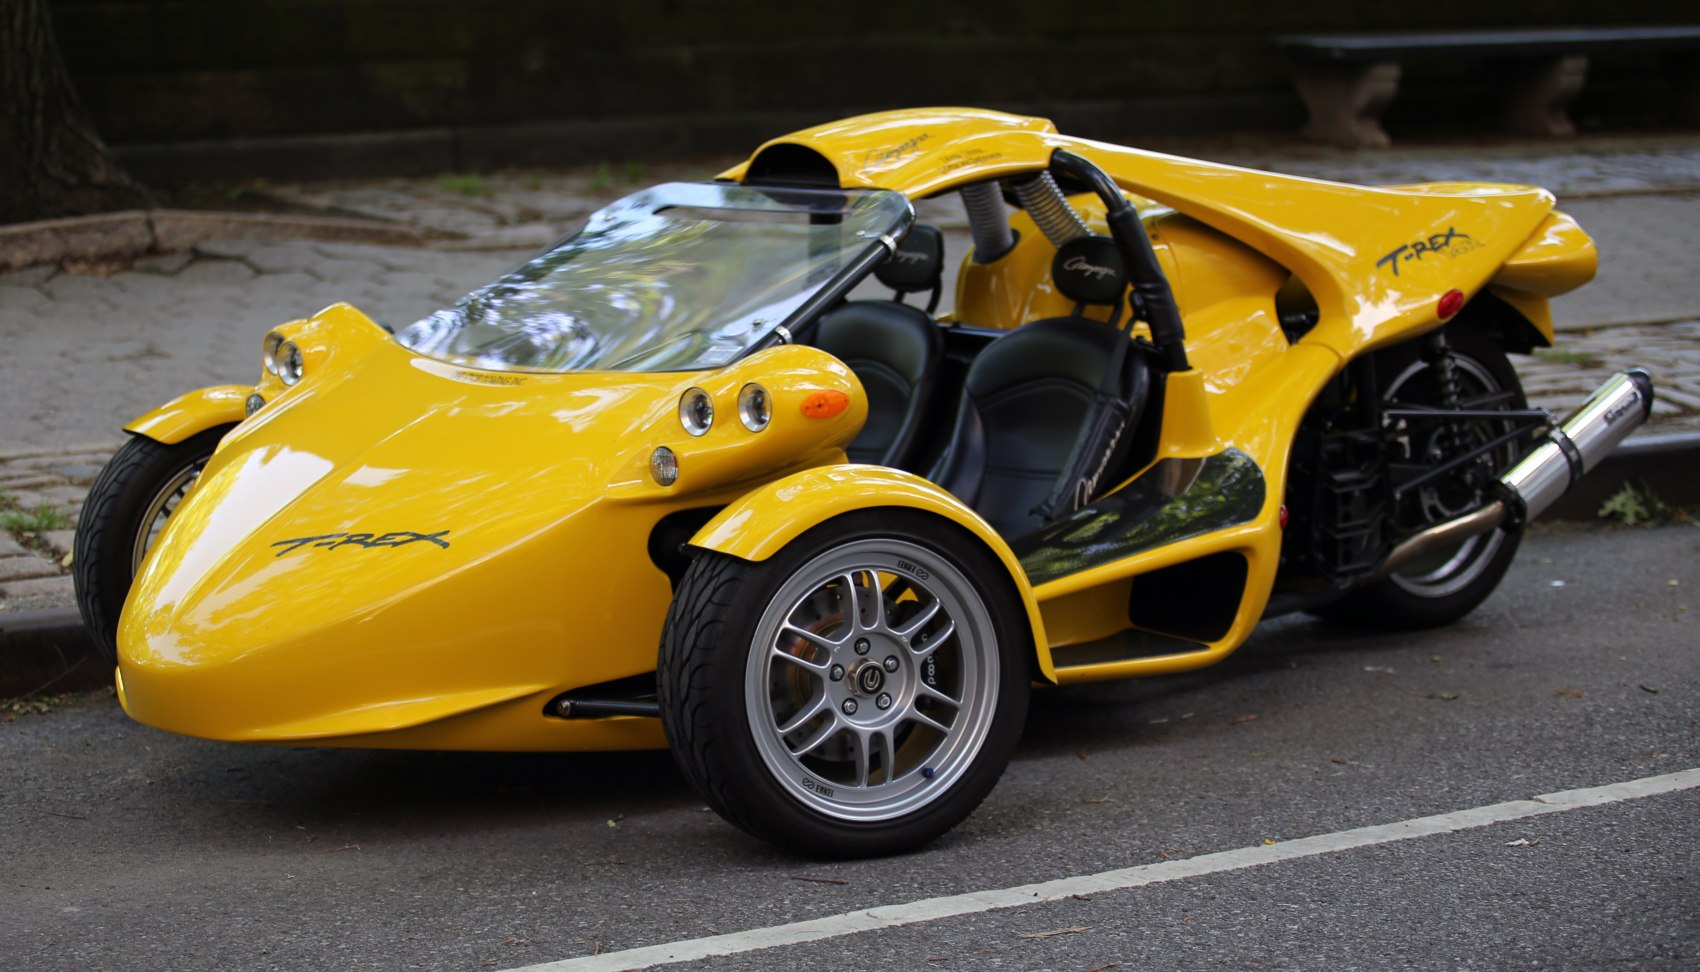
825	404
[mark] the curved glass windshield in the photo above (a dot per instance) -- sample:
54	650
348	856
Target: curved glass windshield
680	277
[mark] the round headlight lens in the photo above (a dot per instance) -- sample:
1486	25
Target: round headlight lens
755	409
664	466
268	351
290	363
696	411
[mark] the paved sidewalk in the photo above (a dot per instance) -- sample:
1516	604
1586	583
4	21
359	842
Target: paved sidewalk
85	352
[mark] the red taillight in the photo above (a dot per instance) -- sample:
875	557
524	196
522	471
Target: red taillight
1282	516
1450	304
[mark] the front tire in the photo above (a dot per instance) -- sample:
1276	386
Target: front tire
859	693
126	508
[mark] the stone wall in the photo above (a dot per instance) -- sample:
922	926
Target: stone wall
646	73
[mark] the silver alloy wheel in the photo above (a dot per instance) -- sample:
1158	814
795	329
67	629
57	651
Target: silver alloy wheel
1450	571
160	508
872	680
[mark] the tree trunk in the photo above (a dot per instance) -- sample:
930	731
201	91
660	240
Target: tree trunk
51	161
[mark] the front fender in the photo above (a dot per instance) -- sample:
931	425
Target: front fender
761	523
193	413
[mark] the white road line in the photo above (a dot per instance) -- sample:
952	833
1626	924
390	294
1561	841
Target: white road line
933	909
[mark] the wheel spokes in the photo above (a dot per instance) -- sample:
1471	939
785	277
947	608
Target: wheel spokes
827	730
934	640
916	715
804	715
922	618
932	693
816	668
867	605
867	741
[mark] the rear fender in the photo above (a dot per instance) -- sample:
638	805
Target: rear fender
761	523
1558	257
193	413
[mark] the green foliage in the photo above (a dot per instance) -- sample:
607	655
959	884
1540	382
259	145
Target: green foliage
1581	359
603	180
38	520
463	184
1635	506
33	704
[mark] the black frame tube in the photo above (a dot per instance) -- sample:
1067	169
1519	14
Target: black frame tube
1146	274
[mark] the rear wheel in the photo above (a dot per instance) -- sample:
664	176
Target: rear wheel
858	693
1471	372
126	508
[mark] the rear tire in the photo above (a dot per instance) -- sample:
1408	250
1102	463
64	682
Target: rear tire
1451	584
126	508
818	713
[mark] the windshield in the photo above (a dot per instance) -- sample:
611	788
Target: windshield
683	276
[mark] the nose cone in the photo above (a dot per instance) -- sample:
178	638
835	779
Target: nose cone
354	565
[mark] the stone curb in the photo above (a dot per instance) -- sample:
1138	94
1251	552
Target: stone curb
138	232
49	651
46	652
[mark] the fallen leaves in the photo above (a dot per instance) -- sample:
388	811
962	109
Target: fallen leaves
816	880
1059	931
1446	696
1249	717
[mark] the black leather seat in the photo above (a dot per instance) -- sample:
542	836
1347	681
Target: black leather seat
1028	396
894	349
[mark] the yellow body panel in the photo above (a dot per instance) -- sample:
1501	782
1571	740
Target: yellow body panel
382	445
192	413
1376	260
763	522
506	516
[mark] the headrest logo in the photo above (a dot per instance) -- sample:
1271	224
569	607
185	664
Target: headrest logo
909	256
1079	264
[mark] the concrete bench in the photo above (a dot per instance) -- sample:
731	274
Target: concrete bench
1348	80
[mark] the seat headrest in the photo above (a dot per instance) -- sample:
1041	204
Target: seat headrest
1088	270
918	262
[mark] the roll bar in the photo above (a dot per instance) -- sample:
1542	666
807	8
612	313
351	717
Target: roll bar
1150	285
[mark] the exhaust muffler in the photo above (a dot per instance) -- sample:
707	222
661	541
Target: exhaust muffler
1569	452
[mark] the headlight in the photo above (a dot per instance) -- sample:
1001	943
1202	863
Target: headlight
696	411
754	407
290	364
268	351
664	466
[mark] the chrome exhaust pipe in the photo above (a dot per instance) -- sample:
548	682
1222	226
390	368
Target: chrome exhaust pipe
1570	451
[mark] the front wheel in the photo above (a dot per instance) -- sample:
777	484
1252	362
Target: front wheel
858	693
126	508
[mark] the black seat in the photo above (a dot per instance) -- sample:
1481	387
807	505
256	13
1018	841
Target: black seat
1028	396
894	349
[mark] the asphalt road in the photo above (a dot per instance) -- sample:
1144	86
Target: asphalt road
126	848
